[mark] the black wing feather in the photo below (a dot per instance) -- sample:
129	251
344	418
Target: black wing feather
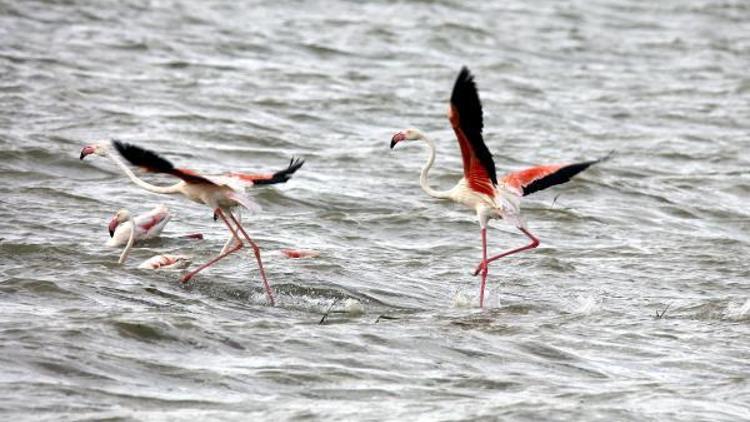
465	99
562	175
282	176
151	161
140	157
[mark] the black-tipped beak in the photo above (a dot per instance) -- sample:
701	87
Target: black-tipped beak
112	226
87	150
397	138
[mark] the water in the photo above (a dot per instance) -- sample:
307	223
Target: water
571	329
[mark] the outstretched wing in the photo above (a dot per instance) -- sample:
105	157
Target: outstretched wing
151	161
534	179
465	114
281	176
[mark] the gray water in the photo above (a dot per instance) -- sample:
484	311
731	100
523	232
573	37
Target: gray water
570	330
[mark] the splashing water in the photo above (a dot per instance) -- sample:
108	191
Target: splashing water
737	312
585	305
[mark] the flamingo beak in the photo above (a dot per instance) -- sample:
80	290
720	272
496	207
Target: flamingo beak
398	137
87	150
113	223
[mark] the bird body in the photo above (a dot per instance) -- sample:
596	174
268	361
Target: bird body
499	204
147	226
479	188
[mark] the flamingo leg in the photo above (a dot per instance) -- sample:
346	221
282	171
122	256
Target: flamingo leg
227	244
484	267
190	275
534	243
231	238
224	253
256	251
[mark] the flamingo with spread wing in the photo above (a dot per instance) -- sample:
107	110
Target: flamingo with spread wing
479	188
220	193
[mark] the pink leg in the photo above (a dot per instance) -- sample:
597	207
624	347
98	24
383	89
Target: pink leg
190	275
484	268
221	256
534	243
256	251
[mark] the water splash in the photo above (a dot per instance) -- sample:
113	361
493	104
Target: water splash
462	301
585	305
353	307
736	312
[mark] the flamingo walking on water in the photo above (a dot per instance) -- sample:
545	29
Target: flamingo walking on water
125	223
220	193
479	188
247	180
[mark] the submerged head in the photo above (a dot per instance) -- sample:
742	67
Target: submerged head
120	217
98	149
410	134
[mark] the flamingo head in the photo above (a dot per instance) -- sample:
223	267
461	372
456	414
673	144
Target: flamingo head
410	134
98	149
120	217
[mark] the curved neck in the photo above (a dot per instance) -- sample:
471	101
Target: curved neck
423	176
131	240
145	185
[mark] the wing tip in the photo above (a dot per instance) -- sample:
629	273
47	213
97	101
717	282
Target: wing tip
607	157
464	81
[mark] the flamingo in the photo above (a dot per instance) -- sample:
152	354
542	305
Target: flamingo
147	226
248	180
220	193
127	224
479	188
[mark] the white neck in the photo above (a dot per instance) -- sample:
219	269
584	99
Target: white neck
131	240
426	169
145	185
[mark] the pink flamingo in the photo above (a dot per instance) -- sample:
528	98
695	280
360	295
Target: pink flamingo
125	223
247	180
143	227
479	188
220	193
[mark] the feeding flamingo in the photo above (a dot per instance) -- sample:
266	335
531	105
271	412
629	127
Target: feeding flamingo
147	226
220	193
479	188
127	224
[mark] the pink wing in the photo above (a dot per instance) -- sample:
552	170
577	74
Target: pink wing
465	115
534	179
281	176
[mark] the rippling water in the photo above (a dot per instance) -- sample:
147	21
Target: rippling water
570	332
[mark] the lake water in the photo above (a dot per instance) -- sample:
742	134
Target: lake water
569	331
